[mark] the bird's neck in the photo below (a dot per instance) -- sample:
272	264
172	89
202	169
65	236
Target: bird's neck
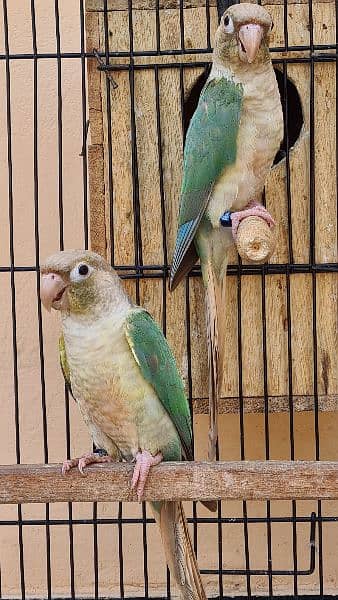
237	71
111	302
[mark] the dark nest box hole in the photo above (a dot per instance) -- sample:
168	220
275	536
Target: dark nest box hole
292	124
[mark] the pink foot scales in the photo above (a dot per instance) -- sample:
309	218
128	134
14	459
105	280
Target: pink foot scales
144	460
83	461
253	209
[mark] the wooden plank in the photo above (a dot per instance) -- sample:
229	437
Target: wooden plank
97	216
116	5
325	163
276	404
276	335
327	332
250	480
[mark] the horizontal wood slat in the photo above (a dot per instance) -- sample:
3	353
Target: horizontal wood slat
251	480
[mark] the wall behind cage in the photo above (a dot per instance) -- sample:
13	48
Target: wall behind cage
44	200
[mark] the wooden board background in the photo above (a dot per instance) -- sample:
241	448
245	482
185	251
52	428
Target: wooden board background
159	140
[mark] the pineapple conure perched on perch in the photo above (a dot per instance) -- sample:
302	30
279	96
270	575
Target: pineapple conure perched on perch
123	376
230	146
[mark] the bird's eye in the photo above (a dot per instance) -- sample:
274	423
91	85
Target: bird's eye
228	24
80	272
83	269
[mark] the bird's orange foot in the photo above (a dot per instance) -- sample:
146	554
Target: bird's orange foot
144	460
83	461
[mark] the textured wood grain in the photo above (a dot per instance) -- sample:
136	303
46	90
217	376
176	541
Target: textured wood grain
251	480
122	5
97	214
255	240
292	221
276	404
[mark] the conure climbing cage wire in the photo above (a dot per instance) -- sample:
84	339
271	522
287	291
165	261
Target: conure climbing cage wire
298	559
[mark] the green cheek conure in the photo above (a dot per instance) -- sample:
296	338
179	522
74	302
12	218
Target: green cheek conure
123	376
231	142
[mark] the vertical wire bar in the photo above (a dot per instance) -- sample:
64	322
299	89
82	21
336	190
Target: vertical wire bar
287	164
162	196
37	260
266	428
84	127
112	257
160	166
60	136
138	242
289	336
109	136
12	281
208	19
70	506
120	545
182	41
314	285
95	553
285	24
291	426
188	342
86	243
158	26
134	158
241	421
61	243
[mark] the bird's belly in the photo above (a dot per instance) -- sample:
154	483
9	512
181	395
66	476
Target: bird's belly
258	141
114	398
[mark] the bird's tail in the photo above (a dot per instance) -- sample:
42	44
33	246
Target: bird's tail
215	309
179	553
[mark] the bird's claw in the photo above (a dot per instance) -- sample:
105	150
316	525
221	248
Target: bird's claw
81	466
144	460
83	461
67	465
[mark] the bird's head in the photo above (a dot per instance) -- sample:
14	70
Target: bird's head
242	37
76	281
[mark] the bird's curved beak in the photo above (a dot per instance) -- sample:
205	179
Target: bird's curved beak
250	37
52	291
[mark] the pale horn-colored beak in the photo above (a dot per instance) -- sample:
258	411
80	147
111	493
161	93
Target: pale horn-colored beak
250	36
52	289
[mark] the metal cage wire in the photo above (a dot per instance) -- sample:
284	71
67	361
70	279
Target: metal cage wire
139	270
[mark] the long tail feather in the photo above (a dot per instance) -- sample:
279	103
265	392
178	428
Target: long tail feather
215	307
179	552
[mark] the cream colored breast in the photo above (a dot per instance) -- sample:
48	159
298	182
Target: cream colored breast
110	388
259	136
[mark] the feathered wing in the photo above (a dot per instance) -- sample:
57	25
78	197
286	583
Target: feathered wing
156	361
210	146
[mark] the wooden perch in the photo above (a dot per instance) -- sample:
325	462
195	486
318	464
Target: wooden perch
250	480
255	240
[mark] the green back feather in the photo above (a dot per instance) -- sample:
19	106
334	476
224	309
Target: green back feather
211	145
156	361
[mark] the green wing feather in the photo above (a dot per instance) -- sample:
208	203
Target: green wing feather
210	146
64	364
156	361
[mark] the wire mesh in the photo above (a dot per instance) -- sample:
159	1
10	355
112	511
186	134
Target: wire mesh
60	206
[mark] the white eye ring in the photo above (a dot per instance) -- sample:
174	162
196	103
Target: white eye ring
80	272
228	24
